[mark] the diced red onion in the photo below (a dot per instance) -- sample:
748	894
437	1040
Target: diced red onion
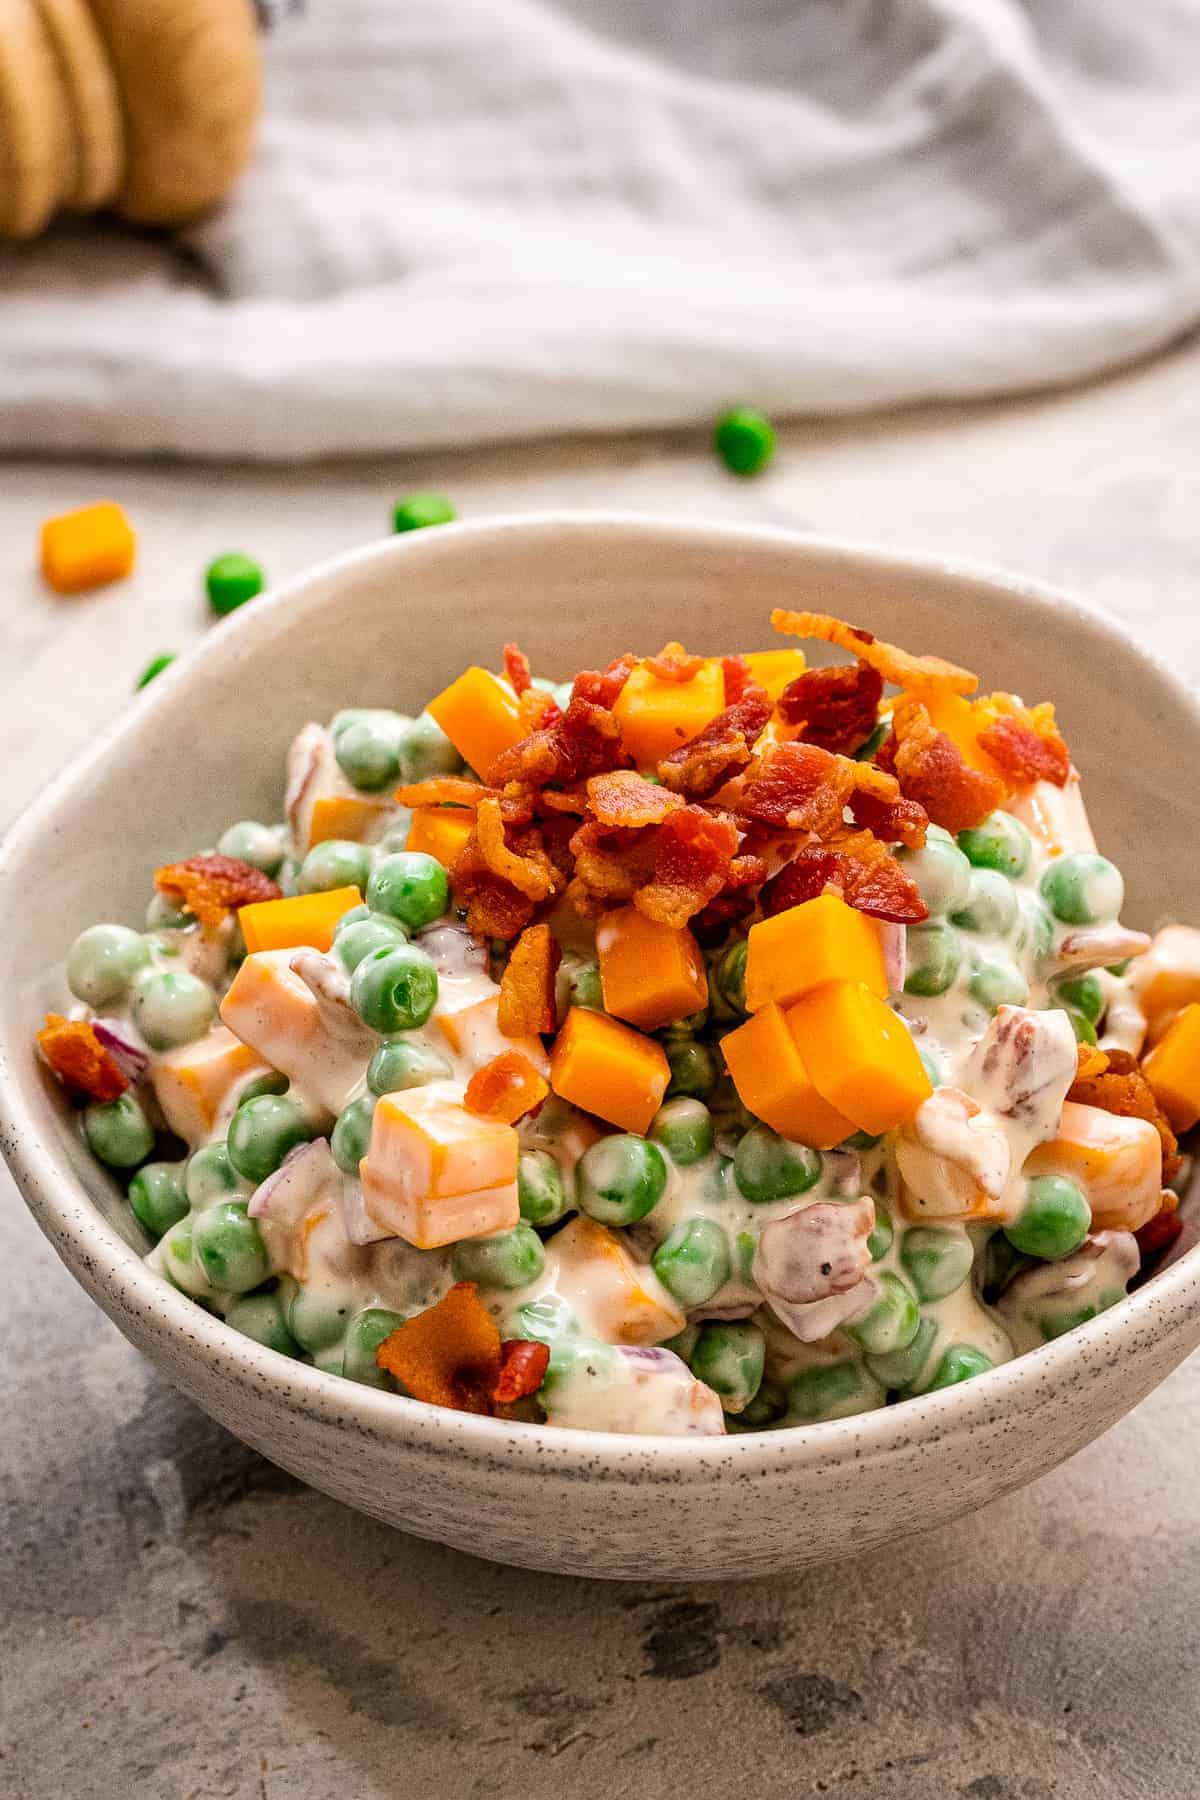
893	941
285	1196
124	1046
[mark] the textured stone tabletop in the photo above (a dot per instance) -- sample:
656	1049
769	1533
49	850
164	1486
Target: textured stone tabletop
181	1621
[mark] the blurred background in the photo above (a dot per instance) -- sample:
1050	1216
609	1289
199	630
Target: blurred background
271	281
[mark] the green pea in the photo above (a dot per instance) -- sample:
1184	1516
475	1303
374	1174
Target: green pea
394	990
1001	1261
582	982
272	1083
934	958
731	976
179	1263
228	1246
1082	994
401	1064
118	1132
936	1261
231	580
162	916
940	870
259	845
507	1259
866	752
692	1262
331	1361
768	1167
411	887
154	667
684	1128
997	981
1085	1031
368	751
1054	1220
315	1316
261	1317
991	905
1000	843
828	1391
766	1409
335	863
546	1320
902	1369
354	915
541	1191
367	1330
352	1134
620	1179
417	511
1083	889
683	1343
157	1196
744	439
209	1175
880	1240
728	1358
172	1007
286	876
960	1363
694	1070
103	961
745	1244
1035	928
1055	1324
263	1131
426	751
364	936
892	1321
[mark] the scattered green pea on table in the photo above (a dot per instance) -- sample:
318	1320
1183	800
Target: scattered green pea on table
417	511
230	580
744	439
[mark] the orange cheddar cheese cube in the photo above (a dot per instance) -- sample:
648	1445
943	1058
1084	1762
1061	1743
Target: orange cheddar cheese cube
1173	1069
302	920
626	1298
609	1070
650	973
352	816
192	1081
772	1082
860	1055
87	548
657	716
1116	1161
820	940
440	831
774	669
273	1010
478	713
471	1027
435	1173
1167	978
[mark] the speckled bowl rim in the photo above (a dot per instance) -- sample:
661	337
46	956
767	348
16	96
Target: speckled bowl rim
106	1265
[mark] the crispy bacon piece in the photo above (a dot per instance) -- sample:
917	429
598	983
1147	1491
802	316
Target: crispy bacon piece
1121	1088
835	708
443	790
800	787
611	864
673	663
726	744
526	1006
616	674
931	770
1026	755
516	667
739	682
538	710
448	1355
564	800
870	878
1160	1232
623	797
494	908
506	1088
892	821
79	1059
523	864
523	1366
584	741
212	886
692	858
894	664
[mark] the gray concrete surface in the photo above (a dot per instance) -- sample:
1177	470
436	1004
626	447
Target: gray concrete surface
181	1621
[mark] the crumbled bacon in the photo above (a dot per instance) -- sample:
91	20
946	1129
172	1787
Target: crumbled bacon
443	790
1026	755
1160	1232
584	741
564	800
692	859
526	1006
79	1059
623	797
610	864
739	681
930	769
800	787
892	821
212	886
516	667
835	708
523	1366
448	1355
1120	1087
616	674
894	664
725	745
538	710
506	1088
494	908
523	863
868	875
674	664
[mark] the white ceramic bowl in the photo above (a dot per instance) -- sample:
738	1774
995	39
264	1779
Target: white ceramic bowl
390	625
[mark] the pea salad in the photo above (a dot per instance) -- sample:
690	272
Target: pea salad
704	1044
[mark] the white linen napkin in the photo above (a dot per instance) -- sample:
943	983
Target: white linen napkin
486	219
